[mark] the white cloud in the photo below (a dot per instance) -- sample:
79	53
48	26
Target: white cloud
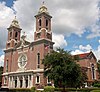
6	15
82	49
77	52
87	47
59	41
2	60
99	41
95	31
69	16
97	52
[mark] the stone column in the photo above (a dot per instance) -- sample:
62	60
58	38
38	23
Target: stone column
9	82
31	80
23	81
18	82
12	82
10	78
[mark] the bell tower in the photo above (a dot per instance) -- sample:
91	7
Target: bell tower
43	24
14	31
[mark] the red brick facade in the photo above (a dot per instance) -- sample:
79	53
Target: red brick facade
89	62
23	60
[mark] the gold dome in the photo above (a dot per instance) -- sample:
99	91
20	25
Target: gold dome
43	9
15	23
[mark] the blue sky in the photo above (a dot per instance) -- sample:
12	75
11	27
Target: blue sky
9	3
75	23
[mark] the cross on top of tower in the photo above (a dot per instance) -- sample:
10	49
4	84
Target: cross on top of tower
43	2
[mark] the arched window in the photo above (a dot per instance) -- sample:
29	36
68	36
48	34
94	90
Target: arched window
39	22
16	34
46	22
37	79
38	59
10	34
93	71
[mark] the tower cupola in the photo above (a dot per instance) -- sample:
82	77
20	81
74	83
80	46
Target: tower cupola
14	32
42	9
43	24
15	23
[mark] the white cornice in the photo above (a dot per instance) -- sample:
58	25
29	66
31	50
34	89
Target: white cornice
27	71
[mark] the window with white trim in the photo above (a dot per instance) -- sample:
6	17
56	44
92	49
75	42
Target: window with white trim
48	80
37	79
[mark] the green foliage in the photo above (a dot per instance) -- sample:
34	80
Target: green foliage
60	67
49	89
39	91
83	77
77	90
1	71
20	90
95	91
96	84
33	89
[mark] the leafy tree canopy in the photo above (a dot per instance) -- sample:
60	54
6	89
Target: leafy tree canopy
60	67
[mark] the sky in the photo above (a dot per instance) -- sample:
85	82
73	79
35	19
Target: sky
75	23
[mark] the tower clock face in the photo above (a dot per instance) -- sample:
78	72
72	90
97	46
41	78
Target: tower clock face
22	61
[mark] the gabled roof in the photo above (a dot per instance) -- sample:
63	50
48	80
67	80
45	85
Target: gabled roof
85	55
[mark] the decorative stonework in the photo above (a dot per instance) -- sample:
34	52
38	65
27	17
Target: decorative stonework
22	61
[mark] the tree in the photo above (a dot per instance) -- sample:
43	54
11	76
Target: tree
60	67
83	77
1	71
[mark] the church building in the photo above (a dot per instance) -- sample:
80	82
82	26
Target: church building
23	66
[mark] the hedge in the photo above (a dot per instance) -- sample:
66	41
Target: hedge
78	90
52	89
49	89
20	90
97	85
95	91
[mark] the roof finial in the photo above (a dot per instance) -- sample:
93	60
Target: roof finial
43	2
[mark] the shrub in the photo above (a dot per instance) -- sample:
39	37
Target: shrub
20	90
95	91
97	85
49	89
33	89
76	90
